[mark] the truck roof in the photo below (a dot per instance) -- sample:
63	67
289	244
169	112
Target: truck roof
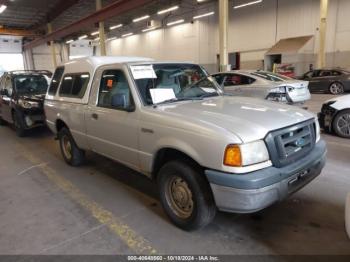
89	64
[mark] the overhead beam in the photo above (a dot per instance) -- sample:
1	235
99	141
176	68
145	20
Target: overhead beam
109	11
18	32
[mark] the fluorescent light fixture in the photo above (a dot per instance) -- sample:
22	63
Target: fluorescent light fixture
2	8
82	37
97	39
70	41
115	26
128	34
201	1
203	15
168	10
150	29
111	38
175	22
95	33
247	4
141	18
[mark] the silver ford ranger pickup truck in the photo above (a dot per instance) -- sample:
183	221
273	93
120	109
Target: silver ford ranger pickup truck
207	151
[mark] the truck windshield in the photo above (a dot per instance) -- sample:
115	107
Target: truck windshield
169	83
31	84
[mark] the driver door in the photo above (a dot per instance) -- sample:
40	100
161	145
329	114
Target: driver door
111	119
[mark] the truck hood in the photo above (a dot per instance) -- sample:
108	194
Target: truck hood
248	118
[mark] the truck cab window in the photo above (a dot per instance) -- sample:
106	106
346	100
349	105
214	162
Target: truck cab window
114	90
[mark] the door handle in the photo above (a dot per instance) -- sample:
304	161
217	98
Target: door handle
94	116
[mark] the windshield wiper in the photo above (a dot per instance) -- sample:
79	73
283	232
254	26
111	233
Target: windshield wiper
174	100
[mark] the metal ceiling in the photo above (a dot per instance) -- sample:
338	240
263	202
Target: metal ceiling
34	14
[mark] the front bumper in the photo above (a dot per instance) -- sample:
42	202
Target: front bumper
249	193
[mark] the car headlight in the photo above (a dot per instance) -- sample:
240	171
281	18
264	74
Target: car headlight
246	154
318	130
27	104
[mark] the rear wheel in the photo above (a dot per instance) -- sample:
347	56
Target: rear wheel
336	88
185	195
18	123
71	153
341	124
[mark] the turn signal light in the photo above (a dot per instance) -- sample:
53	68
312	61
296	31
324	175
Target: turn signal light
233	156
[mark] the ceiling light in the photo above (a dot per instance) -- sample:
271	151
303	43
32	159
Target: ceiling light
97	39
70	41
201	1
247	4
175	22
2	8
115	26
128	34
95	33
203	15
141	18
82	37
168	10
112	38
150	29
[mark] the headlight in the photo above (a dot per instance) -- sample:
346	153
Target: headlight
246	154
318	130
27	104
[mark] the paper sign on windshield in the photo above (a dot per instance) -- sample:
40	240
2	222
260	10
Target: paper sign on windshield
162	94
143	72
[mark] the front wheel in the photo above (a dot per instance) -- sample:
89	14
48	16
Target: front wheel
71	153
18	123
341	124
336	88
185	195
2	121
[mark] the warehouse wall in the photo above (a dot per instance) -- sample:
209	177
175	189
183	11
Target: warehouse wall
252	31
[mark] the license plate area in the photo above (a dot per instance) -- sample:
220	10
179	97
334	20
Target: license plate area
298	180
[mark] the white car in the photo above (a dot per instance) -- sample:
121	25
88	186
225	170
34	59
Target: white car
335	116
266	85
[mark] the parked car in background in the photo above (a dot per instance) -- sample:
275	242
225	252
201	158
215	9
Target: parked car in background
22	96
172	123
265	85
335	116
334	81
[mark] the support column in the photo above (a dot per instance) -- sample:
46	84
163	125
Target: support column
101	30
321	56
53	49
223	38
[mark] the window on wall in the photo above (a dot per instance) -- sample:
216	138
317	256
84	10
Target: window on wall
10	62
74	85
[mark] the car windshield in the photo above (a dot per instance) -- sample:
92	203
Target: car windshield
271	76
169	83
31	84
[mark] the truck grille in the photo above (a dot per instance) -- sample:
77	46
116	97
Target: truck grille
292	143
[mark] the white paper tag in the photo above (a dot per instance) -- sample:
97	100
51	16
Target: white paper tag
162	94
143	72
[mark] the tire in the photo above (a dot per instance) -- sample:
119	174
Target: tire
2	122
336	88
199	209
71	153
18	124
341	124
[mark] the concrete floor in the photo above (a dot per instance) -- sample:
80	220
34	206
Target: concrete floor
47	207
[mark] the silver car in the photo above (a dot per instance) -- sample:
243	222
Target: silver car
171	122
265	85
